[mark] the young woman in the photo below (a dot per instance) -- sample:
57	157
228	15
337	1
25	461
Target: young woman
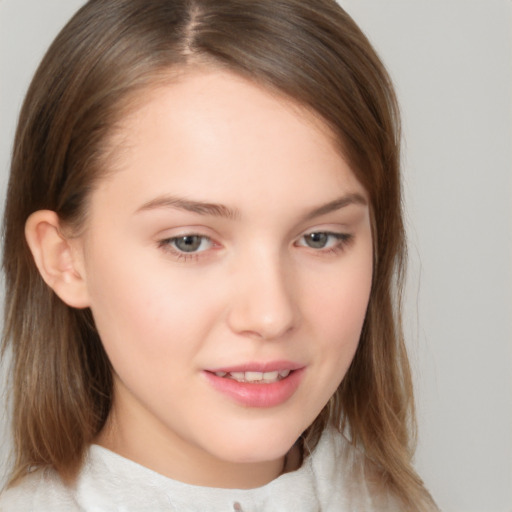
204	310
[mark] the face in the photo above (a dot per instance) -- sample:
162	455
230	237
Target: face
228	265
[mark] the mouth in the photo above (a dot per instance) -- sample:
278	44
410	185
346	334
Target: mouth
257	385
255	377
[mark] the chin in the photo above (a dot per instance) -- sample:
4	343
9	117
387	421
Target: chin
256	443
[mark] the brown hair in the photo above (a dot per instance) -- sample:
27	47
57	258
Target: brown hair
308	50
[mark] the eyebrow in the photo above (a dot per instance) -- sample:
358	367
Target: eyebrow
202	208
337	204
220	210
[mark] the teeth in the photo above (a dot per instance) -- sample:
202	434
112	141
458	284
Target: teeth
266	377
253	376
271	376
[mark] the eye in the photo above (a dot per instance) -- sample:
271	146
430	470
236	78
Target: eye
324	240
316	240
187	244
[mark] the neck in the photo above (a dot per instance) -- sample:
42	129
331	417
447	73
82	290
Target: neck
197	469
171	456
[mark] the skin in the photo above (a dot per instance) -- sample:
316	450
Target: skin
255	290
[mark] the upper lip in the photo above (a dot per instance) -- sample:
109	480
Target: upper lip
270	366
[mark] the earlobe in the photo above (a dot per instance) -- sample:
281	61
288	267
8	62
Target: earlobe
57	258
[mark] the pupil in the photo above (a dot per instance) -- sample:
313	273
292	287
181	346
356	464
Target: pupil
317	240
188	243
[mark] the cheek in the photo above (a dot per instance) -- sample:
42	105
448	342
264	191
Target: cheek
339	302
337	317
341	323
338	307
144	313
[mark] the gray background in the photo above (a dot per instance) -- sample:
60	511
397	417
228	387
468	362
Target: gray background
451	62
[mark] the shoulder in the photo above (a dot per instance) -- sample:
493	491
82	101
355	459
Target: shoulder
346	479
40	491
106	482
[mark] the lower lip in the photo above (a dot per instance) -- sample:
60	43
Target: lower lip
252	394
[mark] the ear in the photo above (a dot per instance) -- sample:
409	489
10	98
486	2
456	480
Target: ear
58	258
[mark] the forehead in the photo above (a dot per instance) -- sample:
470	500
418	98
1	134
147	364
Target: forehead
219	132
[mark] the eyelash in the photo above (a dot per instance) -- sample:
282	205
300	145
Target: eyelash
168	245
342	240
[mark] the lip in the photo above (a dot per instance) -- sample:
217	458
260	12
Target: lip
270	366
253	394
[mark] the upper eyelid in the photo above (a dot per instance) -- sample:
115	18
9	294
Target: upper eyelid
198	233
327	231
184	235
332	232
335	234
214	237
172	233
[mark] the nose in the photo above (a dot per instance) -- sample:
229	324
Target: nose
263	304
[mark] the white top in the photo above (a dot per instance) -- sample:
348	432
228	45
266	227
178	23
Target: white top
330	479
